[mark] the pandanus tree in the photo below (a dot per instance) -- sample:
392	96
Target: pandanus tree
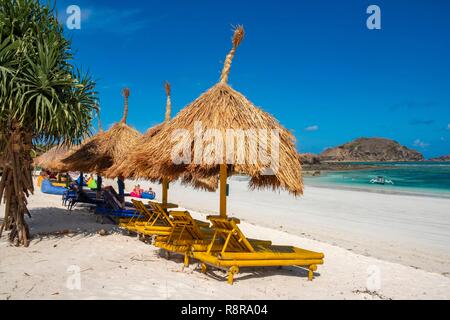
43	99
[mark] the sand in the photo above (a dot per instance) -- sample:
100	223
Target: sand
411	230
69	259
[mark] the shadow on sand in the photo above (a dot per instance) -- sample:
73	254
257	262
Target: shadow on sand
55	222
245	273
59	222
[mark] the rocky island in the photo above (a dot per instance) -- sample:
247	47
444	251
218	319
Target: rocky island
347	156
371	150
441	158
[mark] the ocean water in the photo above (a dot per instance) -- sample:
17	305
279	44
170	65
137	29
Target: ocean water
431	178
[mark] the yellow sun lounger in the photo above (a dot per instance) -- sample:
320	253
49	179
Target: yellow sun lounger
159	223
185	233
190	235
131	223
237	251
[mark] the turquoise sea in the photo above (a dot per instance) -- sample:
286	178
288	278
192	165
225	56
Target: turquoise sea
431	178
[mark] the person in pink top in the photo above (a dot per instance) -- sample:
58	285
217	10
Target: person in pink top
137	192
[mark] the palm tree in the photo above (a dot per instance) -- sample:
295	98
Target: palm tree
43	100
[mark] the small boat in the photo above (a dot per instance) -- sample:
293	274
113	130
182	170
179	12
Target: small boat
381	180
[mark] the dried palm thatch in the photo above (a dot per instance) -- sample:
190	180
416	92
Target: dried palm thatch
220	109
126	167
202	183
51	160
105	149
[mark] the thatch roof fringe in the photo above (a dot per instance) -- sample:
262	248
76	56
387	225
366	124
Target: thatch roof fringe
237	39
126	94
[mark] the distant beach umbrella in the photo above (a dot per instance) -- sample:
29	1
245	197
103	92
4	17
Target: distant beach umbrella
222	111
52	159
105	149
130	166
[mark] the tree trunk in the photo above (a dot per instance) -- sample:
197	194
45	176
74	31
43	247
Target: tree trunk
16	184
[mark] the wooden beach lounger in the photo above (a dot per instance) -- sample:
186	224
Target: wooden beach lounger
157	220
144	216
189	235
185	233
237	252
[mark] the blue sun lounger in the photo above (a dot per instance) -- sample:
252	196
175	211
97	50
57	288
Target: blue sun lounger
113	208
72	197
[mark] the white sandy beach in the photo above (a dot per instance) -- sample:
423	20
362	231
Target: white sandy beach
402	241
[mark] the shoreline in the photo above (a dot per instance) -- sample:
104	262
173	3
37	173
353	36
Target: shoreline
377	190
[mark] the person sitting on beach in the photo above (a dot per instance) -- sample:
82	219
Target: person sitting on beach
137	192
91	183
151	192
90	179
42	177
73	186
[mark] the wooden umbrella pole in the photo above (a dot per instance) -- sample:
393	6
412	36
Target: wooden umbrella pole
223	190
98	194
238	36
165	188
121	186
165	181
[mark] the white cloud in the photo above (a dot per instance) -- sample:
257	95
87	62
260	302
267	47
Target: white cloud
420	143
312	128
118	21
86	14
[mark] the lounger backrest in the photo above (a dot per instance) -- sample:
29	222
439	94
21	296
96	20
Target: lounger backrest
113	192
161	213
111	200
234	239
142	209
185	227
143	212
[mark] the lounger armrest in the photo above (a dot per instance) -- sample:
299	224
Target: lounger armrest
236	220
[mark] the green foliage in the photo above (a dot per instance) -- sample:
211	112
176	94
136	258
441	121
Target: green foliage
39	88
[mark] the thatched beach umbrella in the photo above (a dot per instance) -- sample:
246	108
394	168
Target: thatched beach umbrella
51	160
205	140
127	167
107	148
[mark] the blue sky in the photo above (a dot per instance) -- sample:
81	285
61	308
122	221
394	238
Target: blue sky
314	65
